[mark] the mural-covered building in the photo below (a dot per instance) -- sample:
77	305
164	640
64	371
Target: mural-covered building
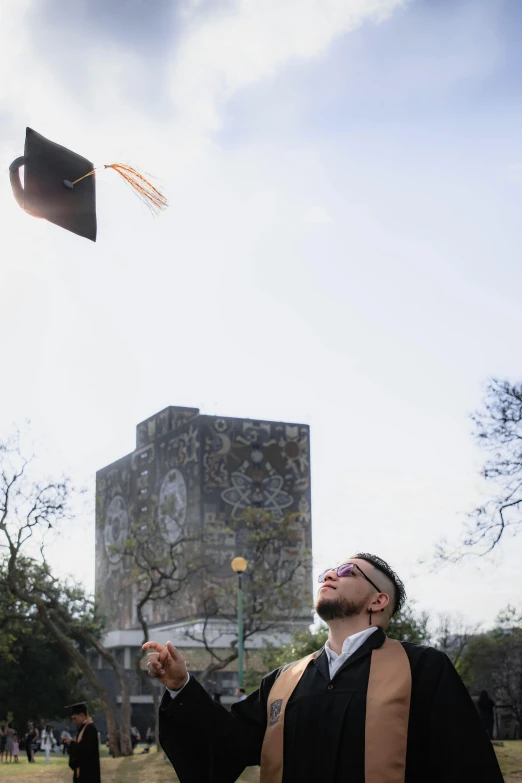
189	475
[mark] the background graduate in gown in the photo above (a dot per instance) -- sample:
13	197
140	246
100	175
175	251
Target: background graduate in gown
333	729
84	752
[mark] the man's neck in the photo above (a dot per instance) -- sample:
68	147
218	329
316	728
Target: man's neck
340	630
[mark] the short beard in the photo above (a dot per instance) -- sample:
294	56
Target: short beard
338	608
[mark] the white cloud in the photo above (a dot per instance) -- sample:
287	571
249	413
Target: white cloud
219	53
250	42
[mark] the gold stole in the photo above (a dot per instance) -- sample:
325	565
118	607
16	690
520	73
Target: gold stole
387	716
79	739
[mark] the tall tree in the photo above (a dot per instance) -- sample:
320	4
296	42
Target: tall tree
36	675
275	584
493	662
28	509
407	626
498	431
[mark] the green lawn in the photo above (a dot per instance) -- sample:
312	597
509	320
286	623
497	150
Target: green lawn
151	767
134	769
510	758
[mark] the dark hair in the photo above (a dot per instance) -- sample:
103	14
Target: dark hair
382	565
242	690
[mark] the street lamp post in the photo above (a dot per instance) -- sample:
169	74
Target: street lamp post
239	565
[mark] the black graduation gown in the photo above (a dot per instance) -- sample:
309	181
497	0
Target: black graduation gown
325	725
85	755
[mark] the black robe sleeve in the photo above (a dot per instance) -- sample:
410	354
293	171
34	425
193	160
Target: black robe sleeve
205	742
460	749
85	756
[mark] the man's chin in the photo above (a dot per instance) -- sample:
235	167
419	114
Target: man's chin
328	608
325	600
335	608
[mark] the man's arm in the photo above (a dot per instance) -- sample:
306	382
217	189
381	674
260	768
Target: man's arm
204	741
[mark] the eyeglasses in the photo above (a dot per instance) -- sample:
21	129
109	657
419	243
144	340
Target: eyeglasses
347	569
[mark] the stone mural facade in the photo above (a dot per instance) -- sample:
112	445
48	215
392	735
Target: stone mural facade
190	475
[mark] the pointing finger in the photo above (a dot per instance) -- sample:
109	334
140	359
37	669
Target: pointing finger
153	646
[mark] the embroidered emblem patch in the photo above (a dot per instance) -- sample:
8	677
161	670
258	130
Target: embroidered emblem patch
275	711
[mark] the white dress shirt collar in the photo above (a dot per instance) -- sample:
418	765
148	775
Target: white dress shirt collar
350	645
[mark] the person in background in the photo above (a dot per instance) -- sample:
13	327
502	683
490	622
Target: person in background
31	740
135	737
9	740
241	694
84	752
486	708
47	742
149	736
16	748
3	738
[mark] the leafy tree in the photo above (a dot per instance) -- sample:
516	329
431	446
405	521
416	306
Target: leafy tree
28	509
36	675
406	626
493	662
274	584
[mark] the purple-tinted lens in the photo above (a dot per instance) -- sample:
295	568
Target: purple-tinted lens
345	569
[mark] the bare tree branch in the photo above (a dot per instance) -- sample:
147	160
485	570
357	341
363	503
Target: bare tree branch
498	431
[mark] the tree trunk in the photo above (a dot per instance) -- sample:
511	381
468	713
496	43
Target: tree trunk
125	711
144	677
94	681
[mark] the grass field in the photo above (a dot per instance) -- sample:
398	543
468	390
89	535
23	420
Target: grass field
133	769
510	759
151	767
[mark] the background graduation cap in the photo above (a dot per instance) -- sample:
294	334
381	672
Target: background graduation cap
59	185
77	709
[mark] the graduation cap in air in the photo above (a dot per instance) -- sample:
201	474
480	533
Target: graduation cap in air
77	709
59	185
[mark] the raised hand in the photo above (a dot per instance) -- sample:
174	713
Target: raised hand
166	664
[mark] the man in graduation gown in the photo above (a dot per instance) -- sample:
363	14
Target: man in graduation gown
84	752
364	709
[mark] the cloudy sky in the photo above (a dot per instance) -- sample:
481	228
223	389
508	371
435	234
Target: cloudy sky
341	249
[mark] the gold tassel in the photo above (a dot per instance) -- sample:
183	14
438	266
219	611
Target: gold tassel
145	190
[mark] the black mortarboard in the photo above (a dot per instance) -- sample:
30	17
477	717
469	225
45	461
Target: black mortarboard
46	167
76	709
59	185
